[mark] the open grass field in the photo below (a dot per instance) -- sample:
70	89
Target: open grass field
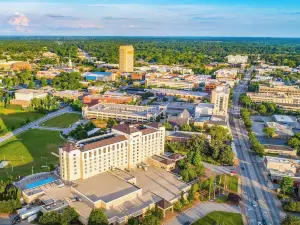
231	182
30	149
62	121
14	116
220	218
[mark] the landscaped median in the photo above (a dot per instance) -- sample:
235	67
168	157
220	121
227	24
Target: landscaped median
30	152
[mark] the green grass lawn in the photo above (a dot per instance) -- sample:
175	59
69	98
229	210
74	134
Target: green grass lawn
62	121
220	218
222	199
231	182
31	148
14	116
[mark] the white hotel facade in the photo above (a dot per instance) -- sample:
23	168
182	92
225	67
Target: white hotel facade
126	147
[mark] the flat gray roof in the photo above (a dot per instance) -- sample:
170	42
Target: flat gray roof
104	186
160	182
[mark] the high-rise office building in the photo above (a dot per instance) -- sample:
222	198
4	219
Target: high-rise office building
220	99
126	58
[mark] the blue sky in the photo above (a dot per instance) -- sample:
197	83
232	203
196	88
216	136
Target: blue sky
251	18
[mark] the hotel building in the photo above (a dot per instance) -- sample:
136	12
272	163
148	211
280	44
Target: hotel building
126	61
126	147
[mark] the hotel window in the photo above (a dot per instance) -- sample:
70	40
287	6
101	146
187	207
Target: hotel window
85	155
121	145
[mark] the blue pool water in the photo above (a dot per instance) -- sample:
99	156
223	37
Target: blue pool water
40	182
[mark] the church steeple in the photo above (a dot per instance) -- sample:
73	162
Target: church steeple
70	64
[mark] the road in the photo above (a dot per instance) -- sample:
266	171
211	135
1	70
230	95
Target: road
35	123
260	203
199	211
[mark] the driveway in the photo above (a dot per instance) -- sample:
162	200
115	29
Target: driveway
199	211
6	220
219	169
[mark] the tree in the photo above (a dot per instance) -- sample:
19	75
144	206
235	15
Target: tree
150	219
226	156
133	221
69	215
292	206
177	206
50	218
76	105
262	109
245	100
44	82
31	85
291	220
286	184
97	217
269	131
186	127
168	126
197	159
110	123
235	198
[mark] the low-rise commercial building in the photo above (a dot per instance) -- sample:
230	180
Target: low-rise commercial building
237	59
108	98
284	120
287	102
279	89
281	131
279	168
20	66
178	93
280	150
226	74
23	97
48	74
204	109
103	76
123	112
69	94
176	84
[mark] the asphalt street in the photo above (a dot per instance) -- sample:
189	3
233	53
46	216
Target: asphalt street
260	202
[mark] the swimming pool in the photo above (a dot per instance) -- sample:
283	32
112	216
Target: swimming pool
40	182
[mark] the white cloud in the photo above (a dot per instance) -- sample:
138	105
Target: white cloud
19	20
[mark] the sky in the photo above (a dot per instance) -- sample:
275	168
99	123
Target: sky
221	18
